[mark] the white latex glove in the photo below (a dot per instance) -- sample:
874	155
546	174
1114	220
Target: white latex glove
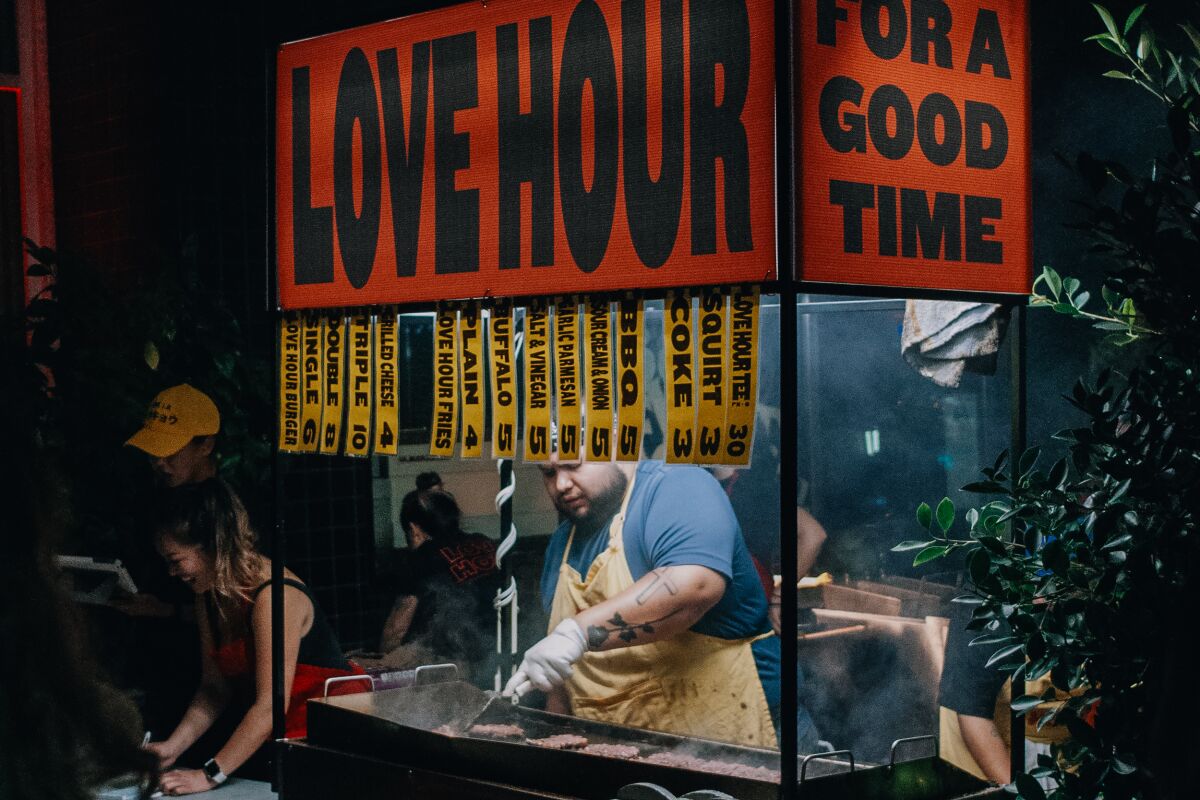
548	663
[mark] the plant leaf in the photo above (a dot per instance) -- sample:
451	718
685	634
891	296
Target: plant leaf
1029	788
1124	764
930	553
1025	702
924	515
1107	18
1133	17
1004	654
945	514
912	544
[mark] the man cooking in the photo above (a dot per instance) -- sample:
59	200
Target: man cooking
657	619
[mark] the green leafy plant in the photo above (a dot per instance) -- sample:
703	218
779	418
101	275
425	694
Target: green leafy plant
1086	571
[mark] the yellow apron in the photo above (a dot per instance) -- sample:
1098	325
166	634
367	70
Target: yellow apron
691	684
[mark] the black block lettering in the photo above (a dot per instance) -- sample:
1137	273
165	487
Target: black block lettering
987	46
884	45
853	198
588	57
931	22
720	34
358	234
455	87
653	207
312	228
526	143
406	158
978	115
943	224
939	153
887	220
977	210
828	15
892	97
849	133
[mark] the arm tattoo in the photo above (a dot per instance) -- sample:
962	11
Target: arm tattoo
662	580
597	635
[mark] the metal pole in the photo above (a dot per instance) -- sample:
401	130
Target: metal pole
277	462
505	664
1017	407
785	260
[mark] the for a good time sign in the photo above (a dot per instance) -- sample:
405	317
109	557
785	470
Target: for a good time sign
527	147
914	143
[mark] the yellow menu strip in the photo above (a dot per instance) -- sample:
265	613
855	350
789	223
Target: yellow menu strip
679	362
470	341
567	383
504	391
743	376
289	385
383	359
630	387
358	391
333	408
312	337
537	381
598	330
713	371
444	429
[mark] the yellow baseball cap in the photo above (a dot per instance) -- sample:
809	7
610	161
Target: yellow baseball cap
176	416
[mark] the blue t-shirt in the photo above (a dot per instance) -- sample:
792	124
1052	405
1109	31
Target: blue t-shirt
679	515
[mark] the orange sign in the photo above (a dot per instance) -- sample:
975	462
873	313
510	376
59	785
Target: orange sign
527	147
913	136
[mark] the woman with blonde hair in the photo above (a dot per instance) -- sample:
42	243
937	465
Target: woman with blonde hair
203	533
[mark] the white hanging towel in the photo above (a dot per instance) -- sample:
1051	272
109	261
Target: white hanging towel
941	339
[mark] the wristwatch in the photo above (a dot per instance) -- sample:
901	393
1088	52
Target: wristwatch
212	771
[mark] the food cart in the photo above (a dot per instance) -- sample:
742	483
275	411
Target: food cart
596	164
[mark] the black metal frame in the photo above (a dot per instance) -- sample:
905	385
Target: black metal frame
789	289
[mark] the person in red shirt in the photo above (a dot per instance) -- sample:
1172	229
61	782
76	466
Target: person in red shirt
203	533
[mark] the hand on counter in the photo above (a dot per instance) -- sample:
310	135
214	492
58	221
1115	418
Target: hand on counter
166	754
184	781
548	663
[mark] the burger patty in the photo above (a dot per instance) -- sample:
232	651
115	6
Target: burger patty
612	750
499	730
562	741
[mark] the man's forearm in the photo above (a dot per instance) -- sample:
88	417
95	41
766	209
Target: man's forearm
663	603
983	741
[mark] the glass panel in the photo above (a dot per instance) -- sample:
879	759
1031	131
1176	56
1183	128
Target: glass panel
875	438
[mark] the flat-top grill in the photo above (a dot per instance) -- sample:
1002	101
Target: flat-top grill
412	726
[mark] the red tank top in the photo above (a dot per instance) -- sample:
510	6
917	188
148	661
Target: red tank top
319	658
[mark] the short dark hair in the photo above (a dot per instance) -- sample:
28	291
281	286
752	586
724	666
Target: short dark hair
430	507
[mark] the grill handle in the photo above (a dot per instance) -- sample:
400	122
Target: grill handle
343	678
804	761
435	673
910	740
